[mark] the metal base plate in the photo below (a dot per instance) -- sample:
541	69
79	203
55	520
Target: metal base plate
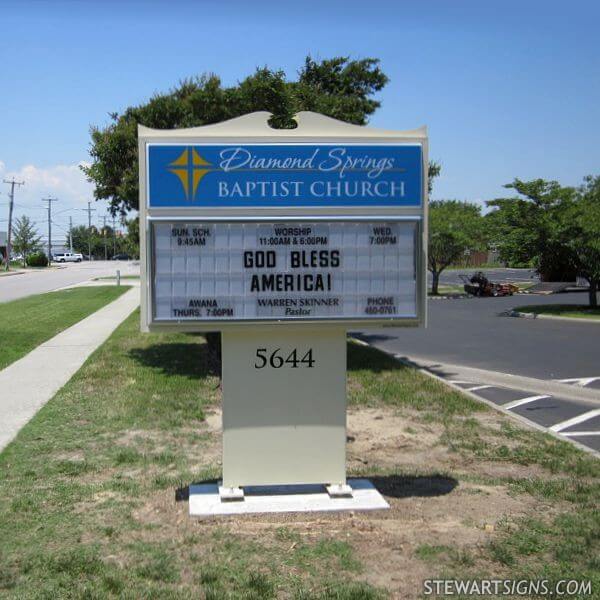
206	502
339	490
227	494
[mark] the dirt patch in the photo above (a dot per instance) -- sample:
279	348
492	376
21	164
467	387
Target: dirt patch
201	444
96	500
387	439
74	455
431	503
381	437
214	420
385	542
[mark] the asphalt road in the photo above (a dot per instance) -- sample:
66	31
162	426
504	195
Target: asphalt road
473	332
46	280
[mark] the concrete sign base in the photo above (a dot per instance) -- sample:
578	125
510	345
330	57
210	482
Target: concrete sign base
206	502
284	406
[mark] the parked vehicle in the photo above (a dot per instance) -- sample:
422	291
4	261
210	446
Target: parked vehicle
63	257
122	256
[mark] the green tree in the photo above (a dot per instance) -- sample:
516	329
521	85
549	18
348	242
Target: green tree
583	234
86	239
434	171
533	229
132	238
454	227
25	240
340	88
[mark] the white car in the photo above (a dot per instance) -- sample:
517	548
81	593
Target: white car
67	257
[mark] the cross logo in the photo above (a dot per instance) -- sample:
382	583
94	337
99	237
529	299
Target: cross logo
190	168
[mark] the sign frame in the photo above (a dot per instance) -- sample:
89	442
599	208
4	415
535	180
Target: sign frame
254	129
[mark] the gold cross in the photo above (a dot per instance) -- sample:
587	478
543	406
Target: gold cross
190	172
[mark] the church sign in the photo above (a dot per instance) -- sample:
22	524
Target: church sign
282	240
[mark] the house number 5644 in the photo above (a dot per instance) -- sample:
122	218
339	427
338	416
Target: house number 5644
277	359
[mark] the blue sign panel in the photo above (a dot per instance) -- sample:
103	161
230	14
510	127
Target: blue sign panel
284	175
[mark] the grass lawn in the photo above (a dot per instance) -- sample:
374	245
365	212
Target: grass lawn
18	266
575	311
444	290
93	490
27	322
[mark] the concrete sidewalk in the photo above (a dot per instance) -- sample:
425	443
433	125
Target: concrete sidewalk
27	384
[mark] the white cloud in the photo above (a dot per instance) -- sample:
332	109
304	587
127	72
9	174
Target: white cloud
67	183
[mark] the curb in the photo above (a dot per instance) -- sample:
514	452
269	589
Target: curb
523	315
11	273
505	411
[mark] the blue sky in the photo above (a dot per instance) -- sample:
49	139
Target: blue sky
506	88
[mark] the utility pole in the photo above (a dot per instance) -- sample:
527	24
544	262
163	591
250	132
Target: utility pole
12	182
71	234
49	201
89	211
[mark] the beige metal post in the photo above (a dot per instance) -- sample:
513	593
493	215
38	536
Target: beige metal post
284	425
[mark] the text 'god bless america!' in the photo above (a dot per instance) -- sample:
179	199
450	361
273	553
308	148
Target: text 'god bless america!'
292	282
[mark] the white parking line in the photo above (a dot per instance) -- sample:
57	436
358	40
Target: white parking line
516	403
459	381
582	381
579	433
576	420
478	387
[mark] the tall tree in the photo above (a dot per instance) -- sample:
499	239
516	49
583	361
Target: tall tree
340	87
453	228
583	235
532	229
85	238
132	239
435	169
25	238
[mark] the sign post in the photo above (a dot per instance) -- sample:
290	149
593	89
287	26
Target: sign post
283	240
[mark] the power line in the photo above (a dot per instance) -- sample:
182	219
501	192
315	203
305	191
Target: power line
12	184
59	226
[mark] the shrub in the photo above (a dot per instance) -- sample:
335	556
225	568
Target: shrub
37	259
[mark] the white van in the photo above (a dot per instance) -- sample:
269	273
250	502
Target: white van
67	257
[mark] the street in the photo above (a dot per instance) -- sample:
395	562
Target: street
45	280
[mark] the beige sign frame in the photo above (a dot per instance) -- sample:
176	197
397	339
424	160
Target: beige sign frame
282	425
254	128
